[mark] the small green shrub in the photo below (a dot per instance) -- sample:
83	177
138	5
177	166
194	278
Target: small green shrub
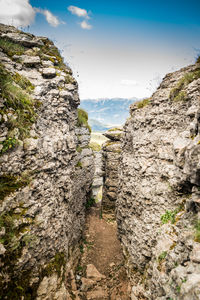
143	103
89	203
197	233
169	216
198	59
162	256
11	48
79	165
182	96
8	144
95	146
83	119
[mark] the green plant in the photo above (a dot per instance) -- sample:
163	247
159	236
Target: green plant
79	165
143	103
182	96
89	203
83	119
95	146
10	183
197	233
23	82
176	94
169	216
8	144
18	103
198	59
79	149
162	256
11	48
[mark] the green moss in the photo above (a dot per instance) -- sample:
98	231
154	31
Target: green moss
79	149
95	146
15	238
197	233
18	103
143	103
10	183
55	266
11	48
83	119
162	256
89	203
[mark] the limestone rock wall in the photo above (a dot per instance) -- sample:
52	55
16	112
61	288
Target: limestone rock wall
111	158
158	210
44	180
97	184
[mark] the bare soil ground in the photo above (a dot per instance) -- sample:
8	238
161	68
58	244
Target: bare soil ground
101	249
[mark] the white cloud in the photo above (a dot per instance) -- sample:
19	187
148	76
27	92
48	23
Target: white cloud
80	12
21	13
84	24
16	12
128	82
51	19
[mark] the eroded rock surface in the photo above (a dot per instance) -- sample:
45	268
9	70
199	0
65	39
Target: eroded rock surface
158	204
111	158
44	180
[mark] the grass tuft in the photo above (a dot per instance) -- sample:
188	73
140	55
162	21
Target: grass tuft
18	104
95	146
197	233
83	119
11	48
143	103
177	93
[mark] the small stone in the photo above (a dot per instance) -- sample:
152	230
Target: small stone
93	273
30	61
66	95
2	249
87	284
48	72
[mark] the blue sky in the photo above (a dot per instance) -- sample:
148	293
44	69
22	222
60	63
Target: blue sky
118	48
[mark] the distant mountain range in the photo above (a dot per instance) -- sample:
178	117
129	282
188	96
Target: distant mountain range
106	113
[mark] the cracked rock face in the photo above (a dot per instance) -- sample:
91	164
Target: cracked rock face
111	159
43	213
158	206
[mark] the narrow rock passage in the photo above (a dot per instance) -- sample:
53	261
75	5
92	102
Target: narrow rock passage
101	273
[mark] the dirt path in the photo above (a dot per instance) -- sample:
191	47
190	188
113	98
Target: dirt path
101	273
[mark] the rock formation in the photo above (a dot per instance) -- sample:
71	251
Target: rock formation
158	208
111	157
46	168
